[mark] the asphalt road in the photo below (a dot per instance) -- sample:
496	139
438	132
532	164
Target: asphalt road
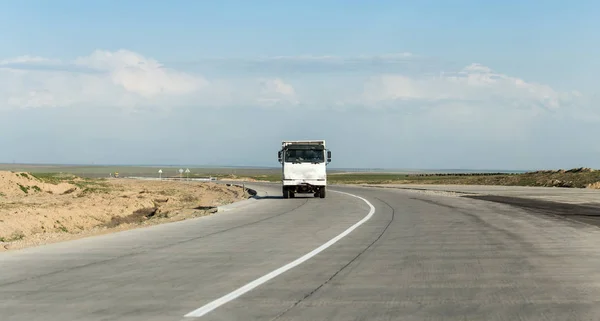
416	257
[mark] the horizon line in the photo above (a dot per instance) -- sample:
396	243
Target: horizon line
259	167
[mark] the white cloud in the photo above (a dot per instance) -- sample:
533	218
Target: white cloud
27	59
127	79
121	78
277	86
395	56
276	92
322	65
391	57
473	84
140	75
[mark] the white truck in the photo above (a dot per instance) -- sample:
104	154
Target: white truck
303	165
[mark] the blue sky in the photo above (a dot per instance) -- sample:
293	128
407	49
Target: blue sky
420	84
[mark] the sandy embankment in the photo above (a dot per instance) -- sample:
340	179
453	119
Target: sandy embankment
37	211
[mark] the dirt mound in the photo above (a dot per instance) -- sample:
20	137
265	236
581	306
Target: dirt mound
561	171
21	183
68	207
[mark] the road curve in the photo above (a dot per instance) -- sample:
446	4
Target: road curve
418	257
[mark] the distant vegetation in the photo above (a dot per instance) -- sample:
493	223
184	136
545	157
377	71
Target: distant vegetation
86	184
579	177
57	173
52	178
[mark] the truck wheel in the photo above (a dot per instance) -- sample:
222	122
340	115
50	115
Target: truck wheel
286	193
322	193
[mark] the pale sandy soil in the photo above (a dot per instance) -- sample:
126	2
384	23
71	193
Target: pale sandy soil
594	185
34	212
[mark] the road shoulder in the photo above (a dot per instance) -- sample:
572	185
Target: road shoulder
574	204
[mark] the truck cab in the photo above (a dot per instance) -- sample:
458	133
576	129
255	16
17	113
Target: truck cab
304	166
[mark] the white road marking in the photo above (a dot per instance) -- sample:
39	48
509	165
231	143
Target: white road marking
248	287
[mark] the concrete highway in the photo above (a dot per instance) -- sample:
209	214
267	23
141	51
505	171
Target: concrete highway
388	254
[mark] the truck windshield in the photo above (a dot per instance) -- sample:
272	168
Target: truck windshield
304	156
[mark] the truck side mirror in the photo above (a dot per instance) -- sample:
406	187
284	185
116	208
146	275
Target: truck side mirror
328	156
279	156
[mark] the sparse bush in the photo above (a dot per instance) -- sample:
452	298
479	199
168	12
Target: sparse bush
89	183
25	189
189	198
52	178
60	227
93	190
16	236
